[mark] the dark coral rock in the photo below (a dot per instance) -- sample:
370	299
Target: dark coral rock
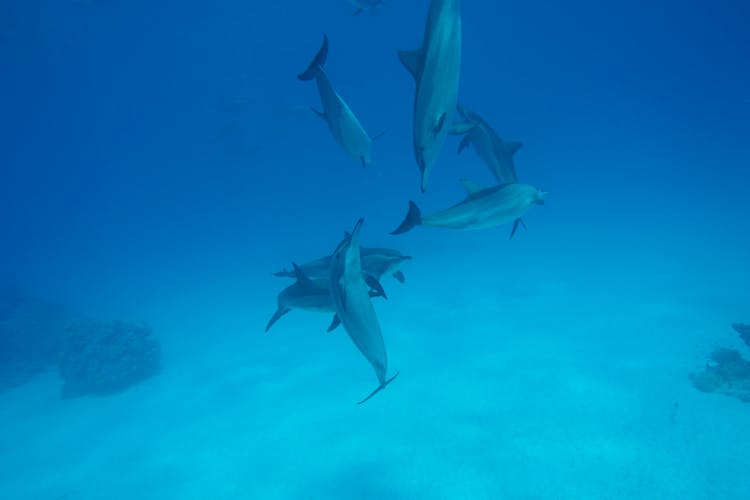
728	374
105	358
31	335
726	356
744	331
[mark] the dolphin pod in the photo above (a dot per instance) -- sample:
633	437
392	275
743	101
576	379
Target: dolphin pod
345	282
376	262
311	295
342	122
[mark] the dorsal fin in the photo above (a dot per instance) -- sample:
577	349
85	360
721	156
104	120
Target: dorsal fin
511	147
317	63
412	61
471	187
302	278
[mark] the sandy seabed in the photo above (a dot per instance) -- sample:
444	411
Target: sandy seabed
557	389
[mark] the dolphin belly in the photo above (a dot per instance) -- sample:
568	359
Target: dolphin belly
342	122
490	208
437	95
316	302
500	163
436	67
484	147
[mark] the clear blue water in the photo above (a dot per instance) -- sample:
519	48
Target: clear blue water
158	161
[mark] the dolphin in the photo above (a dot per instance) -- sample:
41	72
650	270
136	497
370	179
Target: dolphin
342	122
361	5
482	208
496	153
376	262
435	66
354	307
310	295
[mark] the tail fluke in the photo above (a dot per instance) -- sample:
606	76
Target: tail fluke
318	62
465	142
413	219
379	388
278	314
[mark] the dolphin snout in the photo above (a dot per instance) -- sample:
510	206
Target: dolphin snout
541	197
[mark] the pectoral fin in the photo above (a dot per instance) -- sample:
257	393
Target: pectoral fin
439	124
335	322
278	314
399	276
411	59
375	286
465	142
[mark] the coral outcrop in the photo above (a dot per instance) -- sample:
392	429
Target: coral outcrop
93	358
727	372
105	358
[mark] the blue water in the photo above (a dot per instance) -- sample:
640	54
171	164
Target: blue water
158	161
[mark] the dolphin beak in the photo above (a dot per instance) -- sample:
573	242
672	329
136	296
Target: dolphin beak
355	232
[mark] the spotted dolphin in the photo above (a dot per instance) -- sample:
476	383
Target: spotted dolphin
435	66
496	153
309	295
354	307
376	262
342	122
482	208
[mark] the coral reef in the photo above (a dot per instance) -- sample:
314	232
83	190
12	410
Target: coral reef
105	358
727	372
92	358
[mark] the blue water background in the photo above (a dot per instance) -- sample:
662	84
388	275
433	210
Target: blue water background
159	162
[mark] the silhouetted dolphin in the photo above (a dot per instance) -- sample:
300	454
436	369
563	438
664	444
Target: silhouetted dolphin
366	4
496	153
436	66
482	208
354	308
376	262
310	295
342	122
